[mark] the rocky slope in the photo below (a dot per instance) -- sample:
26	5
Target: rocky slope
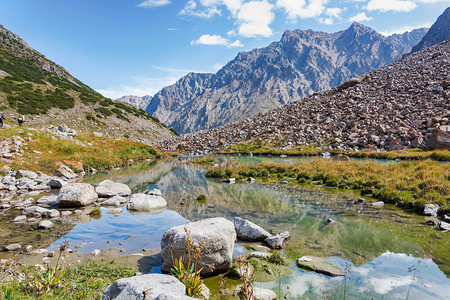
139	102
301	63
404	104
439	31
47	94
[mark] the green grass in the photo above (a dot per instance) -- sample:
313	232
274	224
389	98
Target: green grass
87	281
410	184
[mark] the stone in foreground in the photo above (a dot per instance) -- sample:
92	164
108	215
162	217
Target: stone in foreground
76	195
217	254
143	202
108	188
431	210
158	286
249	231
278	241
259	293
319	265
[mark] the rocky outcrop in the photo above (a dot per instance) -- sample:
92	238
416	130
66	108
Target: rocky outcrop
439	32
76	195
144	202
158	286
108	188
218	236
301	63
249	231
398	105
139	102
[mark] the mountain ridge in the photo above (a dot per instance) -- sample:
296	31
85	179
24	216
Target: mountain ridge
301	63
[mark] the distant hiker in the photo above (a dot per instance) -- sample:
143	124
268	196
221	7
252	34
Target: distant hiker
1	119
21	120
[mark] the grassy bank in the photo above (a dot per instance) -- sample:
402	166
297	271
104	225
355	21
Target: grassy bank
267	148
43	150
410	184
87	281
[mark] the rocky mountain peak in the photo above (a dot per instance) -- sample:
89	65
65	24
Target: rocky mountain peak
439	31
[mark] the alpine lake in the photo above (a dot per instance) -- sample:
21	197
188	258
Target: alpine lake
387	253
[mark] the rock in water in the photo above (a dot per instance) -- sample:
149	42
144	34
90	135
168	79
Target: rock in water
216	257
444	226
378	204
13	247
45	224
278	241
158	286
319	265
431	210
76	195
108	188
249	231
143	202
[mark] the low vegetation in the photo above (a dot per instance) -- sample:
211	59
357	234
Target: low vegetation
269	148
410	184
43	150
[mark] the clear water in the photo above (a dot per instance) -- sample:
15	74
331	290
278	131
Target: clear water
381	248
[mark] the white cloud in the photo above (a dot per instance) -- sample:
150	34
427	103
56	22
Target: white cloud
214	40
154	3
254	19
403	29
299	9
190	9
360	18
327	21
334	12
394	5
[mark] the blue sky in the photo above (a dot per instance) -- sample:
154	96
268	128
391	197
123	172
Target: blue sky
123	47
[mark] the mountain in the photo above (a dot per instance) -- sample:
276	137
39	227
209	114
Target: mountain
139	102
439	31
32	85
301	63
404	104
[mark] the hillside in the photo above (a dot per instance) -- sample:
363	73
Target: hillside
439	31
47	94
403	105
301	63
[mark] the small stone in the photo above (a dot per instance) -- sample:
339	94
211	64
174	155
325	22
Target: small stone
278	241
45	224
444	226
378	204
95	252
50	253
13	247
431	210
20	219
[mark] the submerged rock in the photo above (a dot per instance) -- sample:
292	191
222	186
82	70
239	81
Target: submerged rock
249	231
143	202
108	188
278	241
319	265
159	286
218	235
76	195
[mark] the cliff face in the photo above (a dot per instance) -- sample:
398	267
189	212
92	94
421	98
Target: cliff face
301	63
439	31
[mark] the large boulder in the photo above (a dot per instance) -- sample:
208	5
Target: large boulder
143	202
108	188
249	231
439	139
218	236
158	286
76	195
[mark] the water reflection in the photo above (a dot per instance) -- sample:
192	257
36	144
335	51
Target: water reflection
389	276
